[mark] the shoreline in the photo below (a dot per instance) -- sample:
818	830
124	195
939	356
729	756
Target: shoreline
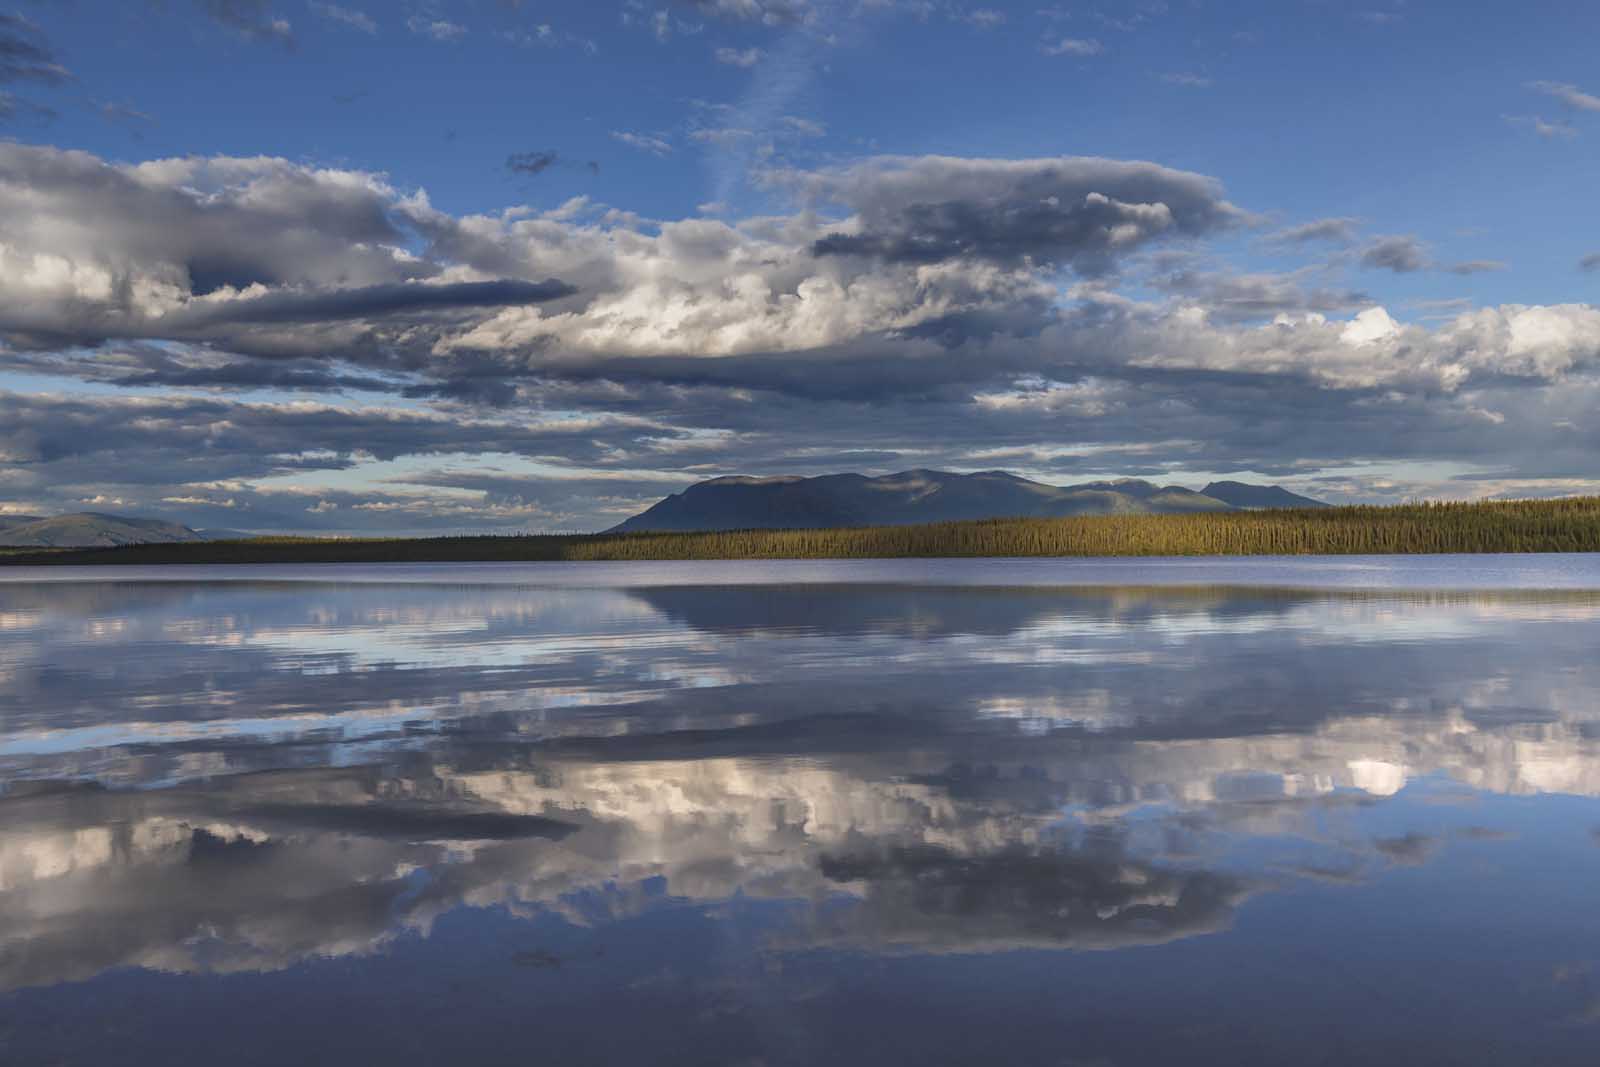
1511	527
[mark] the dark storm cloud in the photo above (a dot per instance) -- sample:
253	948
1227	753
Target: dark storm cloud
1083	213
250	19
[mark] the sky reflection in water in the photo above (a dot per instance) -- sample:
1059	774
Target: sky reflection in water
910	819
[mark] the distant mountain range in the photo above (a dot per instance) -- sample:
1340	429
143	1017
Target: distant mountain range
90	530
920	496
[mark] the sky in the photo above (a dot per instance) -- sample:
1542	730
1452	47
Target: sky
489	265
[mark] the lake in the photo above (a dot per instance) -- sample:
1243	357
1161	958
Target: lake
1315	811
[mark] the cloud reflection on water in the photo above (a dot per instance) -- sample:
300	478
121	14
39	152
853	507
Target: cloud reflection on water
907	770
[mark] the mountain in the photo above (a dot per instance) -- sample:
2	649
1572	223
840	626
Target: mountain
910	497
1257	497
8	521
90	530
225	535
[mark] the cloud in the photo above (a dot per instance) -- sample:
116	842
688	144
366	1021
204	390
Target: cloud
1187	80
112	111
250	19
378	300
24	55
643	142
1079	212
768	12
531	163
739	57
1054	315
1335	230
1570	95
803	127
1242	297
1543	127
1476	266
1410	850
26	58
1401	254
438	29
984	18
14	107
1074	46
345	16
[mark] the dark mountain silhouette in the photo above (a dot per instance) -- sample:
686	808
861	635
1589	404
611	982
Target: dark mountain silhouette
1255	497
902	499
91	530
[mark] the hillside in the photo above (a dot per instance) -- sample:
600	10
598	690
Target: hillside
1256	497
90	530
922	496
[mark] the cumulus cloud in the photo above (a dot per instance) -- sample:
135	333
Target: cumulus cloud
927	311
1241	297
1078	212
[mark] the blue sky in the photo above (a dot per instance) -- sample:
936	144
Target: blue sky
790	236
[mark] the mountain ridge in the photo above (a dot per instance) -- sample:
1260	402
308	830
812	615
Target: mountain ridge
787	502
92	529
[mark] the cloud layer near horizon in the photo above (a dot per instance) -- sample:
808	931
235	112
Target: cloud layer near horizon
274	345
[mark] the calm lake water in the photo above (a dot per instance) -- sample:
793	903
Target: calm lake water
1013	812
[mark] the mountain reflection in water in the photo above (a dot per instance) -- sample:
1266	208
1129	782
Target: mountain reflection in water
868	823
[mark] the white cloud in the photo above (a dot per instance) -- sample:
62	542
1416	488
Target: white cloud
643	142
1568	94
356	20
438	29
739	57
1074	46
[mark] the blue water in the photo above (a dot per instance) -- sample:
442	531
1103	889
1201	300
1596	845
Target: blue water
1000	811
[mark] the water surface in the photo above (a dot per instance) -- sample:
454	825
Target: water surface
1044	812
